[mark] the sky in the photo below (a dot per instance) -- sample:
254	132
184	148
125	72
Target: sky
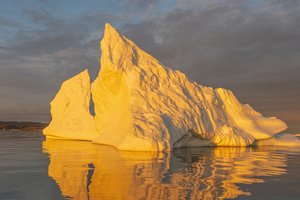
251	47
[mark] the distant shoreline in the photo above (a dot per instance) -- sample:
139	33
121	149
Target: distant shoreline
22	125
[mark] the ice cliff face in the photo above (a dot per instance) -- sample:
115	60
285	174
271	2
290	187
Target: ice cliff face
142	105
71	118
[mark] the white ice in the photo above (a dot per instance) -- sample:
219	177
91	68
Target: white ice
142	105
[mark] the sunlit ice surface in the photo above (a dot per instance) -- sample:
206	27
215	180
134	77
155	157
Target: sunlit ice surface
34	168
142	105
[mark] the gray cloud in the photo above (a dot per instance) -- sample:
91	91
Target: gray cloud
8	23
251	47
37	61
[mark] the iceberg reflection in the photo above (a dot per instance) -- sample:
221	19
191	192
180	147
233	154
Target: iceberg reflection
87	171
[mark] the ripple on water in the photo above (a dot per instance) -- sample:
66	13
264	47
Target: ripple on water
205	173
81	170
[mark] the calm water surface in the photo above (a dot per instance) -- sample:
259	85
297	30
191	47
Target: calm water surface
34	168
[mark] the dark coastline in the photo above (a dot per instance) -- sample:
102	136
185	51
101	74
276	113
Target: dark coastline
22	125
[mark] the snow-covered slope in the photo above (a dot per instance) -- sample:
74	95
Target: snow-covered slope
71	118
142	105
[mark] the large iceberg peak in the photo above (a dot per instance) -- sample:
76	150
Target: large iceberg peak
118	53
141	105
116	50
110	34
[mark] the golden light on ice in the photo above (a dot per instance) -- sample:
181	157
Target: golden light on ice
141	105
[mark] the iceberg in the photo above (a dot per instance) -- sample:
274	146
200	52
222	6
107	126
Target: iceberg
281	139
142	105
71	118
